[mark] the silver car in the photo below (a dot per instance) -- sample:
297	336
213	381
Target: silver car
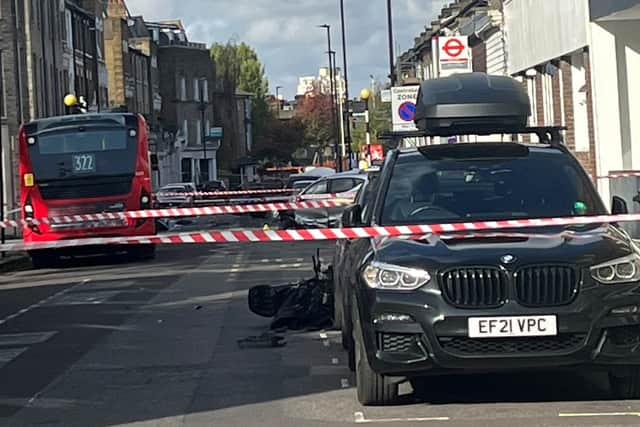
346	185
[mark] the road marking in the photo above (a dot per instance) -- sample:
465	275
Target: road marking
360	419
278	260
42	302
82	298
7	355
326	343
600	414
323	335
344	382
27	338
335	360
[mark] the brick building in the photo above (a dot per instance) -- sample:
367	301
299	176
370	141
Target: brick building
187	82
85	72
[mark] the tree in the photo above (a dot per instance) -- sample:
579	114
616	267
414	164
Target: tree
319	128
239	67
282	139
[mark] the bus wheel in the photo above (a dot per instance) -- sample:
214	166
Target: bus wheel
43	259
143	252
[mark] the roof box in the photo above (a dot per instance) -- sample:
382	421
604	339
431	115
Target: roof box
474	103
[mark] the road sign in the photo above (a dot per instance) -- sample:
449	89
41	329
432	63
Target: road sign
385	95
216	132
403	107
454	56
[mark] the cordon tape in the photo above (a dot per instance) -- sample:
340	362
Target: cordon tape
178	212
321	234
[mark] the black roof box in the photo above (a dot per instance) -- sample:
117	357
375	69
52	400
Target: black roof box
474	103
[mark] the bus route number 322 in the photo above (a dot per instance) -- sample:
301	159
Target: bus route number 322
84	163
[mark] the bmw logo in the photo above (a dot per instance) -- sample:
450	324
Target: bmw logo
508	259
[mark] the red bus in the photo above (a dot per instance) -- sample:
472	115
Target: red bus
80	164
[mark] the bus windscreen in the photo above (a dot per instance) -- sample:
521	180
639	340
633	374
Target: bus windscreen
77	154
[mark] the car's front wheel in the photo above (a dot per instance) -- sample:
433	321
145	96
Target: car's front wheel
625	383
372	388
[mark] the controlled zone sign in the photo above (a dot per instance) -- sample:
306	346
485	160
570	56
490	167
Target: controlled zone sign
403	107
454	55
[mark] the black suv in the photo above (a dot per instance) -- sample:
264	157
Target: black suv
485	301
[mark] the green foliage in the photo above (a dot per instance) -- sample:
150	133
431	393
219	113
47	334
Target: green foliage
239	67
379	122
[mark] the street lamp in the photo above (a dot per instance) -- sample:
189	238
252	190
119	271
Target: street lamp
365	94
392	76
346	119
278	98
338	157
203	137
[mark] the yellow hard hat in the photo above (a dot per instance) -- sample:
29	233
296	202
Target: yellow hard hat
70	100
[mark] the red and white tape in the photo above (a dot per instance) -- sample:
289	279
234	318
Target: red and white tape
177	212
227	193
321	234
614	175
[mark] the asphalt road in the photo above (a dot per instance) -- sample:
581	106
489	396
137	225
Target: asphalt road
106	342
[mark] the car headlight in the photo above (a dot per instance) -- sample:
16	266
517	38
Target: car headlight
379	275
621	270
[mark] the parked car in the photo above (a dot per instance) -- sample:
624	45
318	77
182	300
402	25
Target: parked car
346	184
465	302
176	195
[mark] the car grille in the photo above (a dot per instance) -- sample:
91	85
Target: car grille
545	286
563	343
474	287
396	343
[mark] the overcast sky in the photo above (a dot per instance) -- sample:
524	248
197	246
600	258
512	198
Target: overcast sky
284	35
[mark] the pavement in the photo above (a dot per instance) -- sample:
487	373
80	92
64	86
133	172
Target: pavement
104	342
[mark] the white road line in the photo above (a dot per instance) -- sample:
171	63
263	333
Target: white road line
360	419
27	338
323	335
600	414
42	302
7	355
344	382
335	360
278	260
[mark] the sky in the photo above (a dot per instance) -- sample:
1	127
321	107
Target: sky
285	36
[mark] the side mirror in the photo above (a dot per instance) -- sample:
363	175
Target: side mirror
352	216
619	206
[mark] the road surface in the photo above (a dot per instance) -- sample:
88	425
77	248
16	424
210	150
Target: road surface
107	343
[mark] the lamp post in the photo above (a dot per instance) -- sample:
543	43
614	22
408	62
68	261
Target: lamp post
365	94
336	148
392	76
278	99
347	111
203	110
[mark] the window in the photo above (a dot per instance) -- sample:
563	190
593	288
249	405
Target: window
185	130
205	90
342	185
199	132
186	170
3	83
540	185
317	188
196	89
182	95
207	127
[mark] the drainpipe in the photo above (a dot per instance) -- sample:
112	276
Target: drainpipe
29	55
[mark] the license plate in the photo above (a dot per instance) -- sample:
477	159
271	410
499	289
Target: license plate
514	326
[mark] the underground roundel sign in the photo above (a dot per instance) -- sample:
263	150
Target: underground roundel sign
454	48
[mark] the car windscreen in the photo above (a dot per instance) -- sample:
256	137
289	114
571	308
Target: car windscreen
541	185
83	153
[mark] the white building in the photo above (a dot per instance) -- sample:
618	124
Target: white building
321	83
580	60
